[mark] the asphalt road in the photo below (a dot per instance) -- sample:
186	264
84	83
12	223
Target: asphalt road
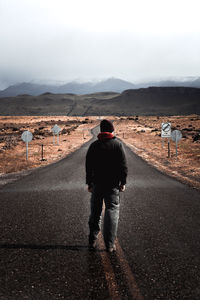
44	235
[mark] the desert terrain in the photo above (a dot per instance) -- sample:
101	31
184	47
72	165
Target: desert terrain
143	136
140	133
74	132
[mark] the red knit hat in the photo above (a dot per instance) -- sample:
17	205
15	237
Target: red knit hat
106	126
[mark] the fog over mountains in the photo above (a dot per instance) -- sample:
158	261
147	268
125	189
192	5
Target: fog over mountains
108	97
108	85
111	84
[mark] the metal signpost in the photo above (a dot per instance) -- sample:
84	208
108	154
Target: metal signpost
176	136
166	133
42	153
56	129
27	137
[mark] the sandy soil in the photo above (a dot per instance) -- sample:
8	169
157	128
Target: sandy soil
143	136
74	132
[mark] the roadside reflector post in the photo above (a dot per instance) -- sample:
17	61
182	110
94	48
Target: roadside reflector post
176	148
26	150
42	152
84	135
27	137
168	148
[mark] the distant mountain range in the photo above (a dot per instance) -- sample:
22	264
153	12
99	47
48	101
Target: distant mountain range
109	85
145	101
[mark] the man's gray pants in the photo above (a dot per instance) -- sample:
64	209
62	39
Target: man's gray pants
112	203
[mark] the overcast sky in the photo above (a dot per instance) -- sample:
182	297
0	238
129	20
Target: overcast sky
65	40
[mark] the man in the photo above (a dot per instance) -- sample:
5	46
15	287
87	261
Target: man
106	172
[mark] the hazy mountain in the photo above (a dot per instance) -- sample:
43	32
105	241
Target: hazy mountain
75	88
145	101
113	85
27	88
180	82
195	83
109	85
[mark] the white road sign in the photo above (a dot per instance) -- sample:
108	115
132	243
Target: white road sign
27	136
176	135
55	129
166	130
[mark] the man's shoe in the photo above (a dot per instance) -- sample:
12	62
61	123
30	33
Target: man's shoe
92	245
111	249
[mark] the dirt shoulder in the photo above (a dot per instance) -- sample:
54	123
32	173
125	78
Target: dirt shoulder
75	131
143	136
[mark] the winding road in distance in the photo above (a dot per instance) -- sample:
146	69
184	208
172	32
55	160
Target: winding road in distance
44	235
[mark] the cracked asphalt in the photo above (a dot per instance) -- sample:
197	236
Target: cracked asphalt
44	234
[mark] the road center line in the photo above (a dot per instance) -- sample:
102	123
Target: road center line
125	268
109	273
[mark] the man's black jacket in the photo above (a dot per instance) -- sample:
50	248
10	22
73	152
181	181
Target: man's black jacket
106	163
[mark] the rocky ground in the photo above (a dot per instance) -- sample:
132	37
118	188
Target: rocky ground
74	132
141	133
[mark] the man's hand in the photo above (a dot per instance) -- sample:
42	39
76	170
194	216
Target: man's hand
89	189
122	188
